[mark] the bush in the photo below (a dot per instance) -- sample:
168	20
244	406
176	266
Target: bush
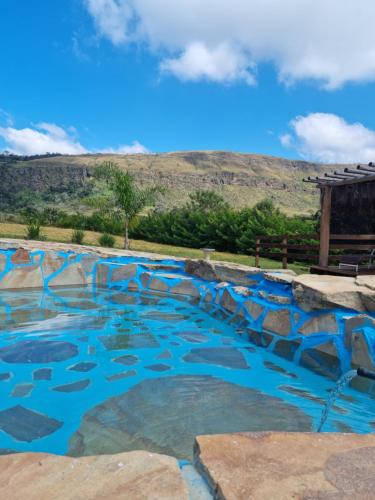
78	236
106	240
33	231
207	221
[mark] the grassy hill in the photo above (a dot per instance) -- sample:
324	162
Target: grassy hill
242	179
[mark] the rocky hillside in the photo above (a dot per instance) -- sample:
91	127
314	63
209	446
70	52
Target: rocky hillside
243	179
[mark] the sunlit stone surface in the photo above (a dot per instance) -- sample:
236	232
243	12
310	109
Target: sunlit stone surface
274	465
128	476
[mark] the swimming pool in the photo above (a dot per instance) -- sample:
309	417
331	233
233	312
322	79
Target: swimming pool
87	371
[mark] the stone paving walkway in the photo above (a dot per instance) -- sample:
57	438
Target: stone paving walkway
284	466
241	466
133	476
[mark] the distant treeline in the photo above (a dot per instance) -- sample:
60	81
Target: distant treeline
205	221
7	157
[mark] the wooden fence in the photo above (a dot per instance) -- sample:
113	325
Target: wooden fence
305	247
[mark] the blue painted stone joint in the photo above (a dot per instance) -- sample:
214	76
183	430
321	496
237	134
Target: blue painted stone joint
328	340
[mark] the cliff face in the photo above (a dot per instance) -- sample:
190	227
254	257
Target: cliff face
243	179
38	177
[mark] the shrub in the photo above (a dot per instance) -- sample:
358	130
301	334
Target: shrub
78	236
207	221
33	231
106	240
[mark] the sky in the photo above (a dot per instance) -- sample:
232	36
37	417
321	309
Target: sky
291	78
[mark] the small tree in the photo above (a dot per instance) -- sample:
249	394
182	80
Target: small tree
207	201
124	198
33	220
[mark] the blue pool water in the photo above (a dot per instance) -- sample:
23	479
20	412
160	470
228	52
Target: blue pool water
85	371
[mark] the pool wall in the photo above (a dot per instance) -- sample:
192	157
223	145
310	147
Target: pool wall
262	305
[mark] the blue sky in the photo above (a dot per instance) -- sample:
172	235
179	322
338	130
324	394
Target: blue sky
161	75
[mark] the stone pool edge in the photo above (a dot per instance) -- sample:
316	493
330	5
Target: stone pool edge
236	466
318	322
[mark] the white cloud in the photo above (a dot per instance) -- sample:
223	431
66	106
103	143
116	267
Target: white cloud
50	138
329	138
286	140
127	149
328	41
111	18
223	64
43	138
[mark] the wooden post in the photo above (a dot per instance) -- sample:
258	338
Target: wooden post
325	222
257	249
285	252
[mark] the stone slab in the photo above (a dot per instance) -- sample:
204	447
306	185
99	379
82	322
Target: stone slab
366	280
222	271
314	292
27	425
199	405
123	272
286	277
3	260
325	323
51	263
21	256
22	277
136	475
185	287
278	321
282	466
71	275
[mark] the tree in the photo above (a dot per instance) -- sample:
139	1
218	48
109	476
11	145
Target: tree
123	199
207	201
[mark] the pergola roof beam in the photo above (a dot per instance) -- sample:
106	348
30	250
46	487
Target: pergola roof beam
355	172
315	180
363	173
335	176
345	176
370	170
310	181
324	180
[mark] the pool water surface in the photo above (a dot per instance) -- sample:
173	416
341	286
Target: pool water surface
88	371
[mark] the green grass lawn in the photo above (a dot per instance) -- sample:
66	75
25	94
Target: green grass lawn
10	230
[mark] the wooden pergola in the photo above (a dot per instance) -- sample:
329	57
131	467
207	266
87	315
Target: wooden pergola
347	210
